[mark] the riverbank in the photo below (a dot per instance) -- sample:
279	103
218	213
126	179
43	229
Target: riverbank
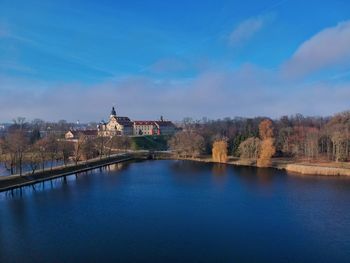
289	165
16	181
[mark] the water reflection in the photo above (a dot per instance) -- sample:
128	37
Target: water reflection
85	178
22	192
4	171
265	175
209	212
188	167
117	166
219	169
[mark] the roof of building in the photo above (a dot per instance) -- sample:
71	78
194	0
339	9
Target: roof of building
144	122
164	123
125	123
84	132
119	118
122	119
157	123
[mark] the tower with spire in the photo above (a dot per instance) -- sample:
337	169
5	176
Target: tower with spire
113	113
118	125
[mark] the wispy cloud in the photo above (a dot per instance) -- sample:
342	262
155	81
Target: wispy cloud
247	91
247	29
52	52
166	65
330	47
12	65
214	92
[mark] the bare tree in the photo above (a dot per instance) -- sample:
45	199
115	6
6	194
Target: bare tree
15	144
19	123
339	146
250	148
66	150
101	142
187	144
88	149
52	148
33	158
42	148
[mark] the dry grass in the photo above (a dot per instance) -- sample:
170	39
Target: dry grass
317	170
290	165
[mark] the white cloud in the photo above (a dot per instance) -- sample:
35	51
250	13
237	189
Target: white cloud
247	29
330	47
248	91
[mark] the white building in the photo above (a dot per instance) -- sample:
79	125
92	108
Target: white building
116	126
124	126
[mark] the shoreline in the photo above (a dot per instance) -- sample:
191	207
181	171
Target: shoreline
290	166
8	183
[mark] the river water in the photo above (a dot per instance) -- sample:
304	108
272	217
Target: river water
178	211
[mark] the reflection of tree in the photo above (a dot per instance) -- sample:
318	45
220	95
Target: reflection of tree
219	169
255	177
183	167
265	175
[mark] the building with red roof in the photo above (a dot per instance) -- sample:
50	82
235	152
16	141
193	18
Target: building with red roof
124	126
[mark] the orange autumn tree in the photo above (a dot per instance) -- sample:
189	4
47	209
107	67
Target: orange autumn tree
219	151
267	146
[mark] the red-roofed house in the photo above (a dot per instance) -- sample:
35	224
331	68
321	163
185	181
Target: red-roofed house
145	128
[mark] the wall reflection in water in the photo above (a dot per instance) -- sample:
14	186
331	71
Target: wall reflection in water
154	209
84	178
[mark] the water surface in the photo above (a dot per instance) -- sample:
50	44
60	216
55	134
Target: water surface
178	211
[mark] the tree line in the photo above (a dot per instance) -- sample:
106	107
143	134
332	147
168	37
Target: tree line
20	147
296	137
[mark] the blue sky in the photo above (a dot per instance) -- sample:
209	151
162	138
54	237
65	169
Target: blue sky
75	59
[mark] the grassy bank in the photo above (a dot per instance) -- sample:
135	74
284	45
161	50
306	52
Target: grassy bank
150	142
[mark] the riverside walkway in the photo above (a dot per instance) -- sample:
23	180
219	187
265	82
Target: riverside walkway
11	182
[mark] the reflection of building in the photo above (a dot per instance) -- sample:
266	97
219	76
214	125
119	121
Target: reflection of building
124	126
